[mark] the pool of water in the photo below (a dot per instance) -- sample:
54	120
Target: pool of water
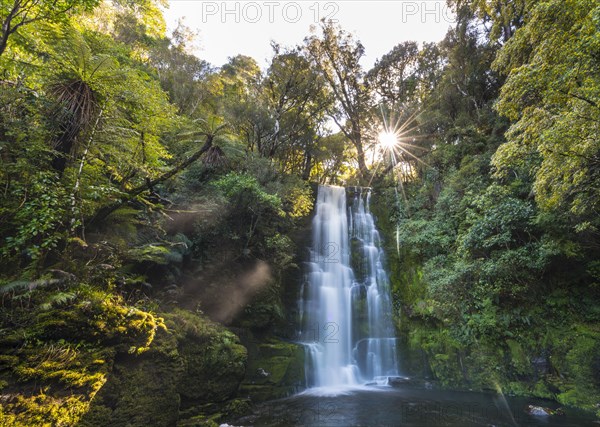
386	406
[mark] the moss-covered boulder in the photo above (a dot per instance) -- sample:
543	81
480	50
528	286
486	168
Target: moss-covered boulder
141	389
129	366
186	377
56	356
275	370
214	361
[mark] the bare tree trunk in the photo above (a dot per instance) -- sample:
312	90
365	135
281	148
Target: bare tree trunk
7	28
3	42
307	166
80	171
360	153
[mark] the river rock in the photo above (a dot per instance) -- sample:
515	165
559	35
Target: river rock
540	411
399	381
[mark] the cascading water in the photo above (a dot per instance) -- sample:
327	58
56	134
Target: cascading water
345	304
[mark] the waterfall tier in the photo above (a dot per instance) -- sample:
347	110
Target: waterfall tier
345	305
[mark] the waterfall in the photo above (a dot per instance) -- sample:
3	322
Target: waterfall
345	307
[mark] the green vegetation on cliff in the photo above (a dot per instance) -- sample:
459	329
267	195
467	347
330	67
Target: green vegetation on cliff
496	280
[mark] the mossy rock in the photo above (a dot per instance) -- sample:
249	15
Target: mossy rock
185	376
516	388
237	407
275	348
213	369
358	259
142	390
201	421
210	414
54	376
275	370
265	310
541	390
519	360
263	393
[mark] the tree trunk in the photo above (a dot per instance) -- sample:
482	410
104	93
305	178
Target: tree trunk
3	42
360	153
362	165
6	28
307	166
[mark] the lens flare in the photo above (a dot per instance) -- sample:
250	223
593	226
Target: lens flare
388	140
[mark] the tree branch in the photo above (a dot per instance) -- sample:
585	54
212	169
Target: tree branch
102	213
581	98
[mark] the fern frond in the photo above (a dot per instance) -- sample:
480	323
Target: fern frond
58	299
21	285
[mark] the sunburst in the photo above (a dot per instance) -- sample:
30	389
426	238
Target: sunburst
393	141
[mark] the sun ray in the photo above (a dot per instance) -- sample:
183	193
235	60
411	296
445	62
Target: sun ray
405	144
409	130
413	117
374	172
393	141
388	139
404	150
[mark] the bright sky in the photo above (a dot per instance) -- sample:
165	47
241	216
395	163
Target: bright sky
227	28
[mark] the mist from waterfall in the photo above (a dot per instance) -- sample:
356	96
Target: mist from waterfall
345	306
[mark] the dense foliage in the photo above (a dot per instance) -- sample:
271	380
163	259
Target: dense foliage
497	276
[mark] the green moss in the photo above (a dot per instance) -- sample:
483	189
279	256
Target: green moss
541	390
237	408
201	421
275	369
213	369
142	389
132	368
43	411
357	259
67	380
519	360
515	388
99	318
189	369
265	310
441	352
214	362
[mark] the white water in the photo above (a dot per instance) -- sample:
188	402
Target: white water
345	304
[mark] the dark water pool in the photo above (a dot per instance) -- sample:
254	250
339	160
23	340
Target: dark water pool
383	406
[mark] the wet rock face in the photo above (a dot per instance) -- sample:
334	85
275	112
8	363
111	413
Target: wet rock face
140	391
541	364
